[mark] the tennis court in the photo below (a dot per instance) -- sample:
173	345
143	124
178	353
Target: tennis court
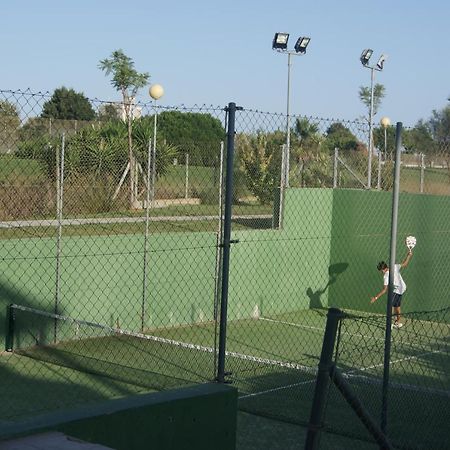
271	360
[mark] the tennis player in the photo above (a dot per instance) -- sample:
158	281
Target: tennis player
399	287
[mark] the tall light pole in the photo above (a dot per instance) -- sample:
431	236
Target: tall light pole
364	58
279	44
156	91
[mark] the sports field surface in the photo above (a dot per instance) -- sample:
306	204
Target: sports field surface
271	360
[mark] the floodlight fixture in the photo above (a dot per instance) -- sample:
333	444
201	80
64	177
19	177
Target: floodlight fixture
381	61
280	44
301	44
280	41
365	56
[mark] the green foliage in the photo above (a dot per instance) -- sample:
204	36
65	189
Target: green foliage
108	111
339	136
380	144
419	139
124	77
260	162
9	124
194	133
379	92
98	150
309	154
68	105
8	109
439	124
165	151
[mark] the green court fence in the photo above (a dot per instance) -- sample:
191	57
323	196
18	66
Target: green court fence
349	388
112	252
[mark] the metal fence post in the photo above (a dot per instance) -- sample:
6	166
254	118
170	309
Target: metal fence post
283	179
186	185
10	322
146	234
379	171
231	110
59	216
422	171
388	331
322	380
335	167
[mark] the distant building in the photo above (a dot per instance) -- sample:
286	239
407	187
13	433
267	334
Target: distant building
136	111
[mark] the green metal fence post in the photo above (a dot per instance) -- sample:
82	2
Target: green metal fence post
9	342
323	379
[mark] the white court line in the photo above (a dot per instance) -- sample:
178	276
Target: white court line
297	325
348	375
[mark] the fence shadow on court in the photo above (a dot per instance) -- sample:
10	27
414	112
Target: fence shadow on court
30	385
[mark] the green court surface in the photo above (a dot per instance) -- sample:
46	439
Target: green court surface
30	386
272	361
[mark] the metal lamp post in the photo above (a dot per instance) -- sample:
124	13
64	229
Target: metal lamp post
364	58
385	122
279	44
156	91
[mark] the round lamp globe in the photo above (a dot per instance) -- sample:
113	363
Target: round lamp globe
156	91
385	122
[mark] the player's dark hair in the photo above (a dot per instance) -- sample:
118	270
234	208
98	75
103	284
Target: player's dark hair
381	265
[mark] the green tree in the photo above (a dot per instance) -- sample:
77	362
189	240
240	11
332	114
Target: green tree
127	81
439	124
379	92
310	156
260	162
9	124
108	111
67	104
339	136
418	139
198	134
387	146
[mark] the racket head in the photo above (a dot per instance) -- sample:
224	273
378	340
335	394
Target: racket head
410	242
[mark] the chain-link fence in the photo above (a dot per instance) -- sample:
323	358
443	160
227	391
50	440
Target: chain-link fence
350	397
116	266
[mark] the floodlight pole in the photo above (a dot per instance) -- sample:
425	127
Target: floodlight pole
288	121
369	168
379	66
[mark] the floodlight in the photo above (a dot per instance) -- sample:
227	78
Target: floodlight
301	44
365	56
381	61
280	41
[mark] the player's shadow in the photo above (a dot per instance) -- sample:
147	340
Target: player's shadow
315	300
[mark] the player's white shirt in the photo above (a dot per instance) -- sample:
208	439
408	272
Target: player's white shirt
399	284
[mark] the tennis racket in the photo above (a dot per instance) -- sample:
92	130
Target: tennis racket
410	242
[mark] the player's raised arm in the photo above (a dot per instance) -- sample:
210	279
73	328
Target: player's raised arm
407	259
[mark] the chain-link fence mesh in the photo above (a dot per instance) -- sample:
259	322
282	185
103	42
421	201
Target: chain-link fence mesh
417	393
112	239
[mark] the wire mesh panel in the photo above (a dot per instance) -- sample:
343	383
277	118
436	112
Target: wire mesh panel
109	234
418	388
112	241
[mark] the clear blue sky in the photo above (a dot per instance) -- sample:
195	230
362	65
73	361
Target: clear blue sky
214	52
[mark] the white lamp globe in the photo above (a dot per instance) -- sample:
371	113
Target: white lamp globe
385	122
156	91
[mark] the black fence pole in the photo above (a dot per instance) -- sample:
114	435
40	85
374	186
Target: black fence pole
9	341
231	110
388	332
322	380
